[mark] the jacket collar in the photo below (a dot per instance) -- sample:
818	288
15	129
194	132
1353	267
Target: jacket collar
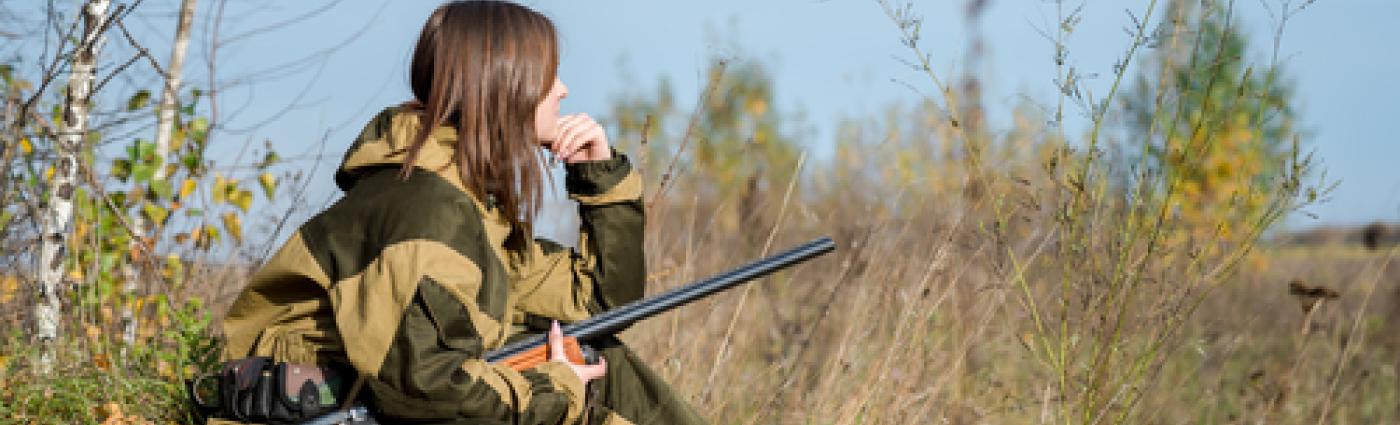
384	142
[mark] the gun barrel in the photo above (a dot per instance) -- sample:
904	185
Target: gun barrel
616	319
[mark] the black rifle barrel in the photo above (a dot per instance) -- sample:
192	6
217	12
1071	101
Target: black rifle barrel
611	321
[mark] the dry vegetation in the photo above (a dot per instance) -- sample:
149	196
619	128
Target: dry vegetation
1029	274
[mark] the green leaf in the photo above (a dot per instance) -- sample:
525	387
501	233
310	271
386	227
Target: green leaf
138	100
107	222
146	151
121	169
194	212
107	261
191	162
155	213
200	125
199	131
118	198
162	189
83	204
86	156
143	173
173	267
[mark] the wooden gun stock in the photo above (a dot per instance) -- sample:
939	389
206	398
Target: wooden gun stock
540	354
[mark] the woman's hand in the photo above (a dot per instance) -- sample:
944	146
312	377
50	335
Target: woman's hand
580	138
585	373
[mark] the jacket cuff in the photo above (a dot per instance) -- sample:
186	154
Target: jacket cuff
603	182
563	380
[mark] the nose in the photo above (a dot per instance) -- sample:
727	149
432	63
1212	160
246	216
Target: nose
563	89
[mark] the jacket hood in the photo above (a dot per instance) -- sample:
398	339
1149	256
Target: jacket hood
384	143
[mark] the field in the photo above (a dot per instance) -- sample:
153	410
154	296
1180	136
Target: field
1137	263
909	321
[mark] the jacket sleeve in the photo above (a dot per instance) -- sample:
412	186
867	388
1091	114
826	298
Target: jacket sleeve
411	324
608	269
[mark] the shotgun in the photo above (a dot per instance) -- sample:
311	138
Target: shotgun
532	351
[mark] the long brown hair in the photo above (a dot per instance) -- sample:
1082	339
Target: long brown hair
483	67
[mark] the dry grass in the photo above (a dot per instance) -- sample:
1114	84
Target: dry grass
911	322
983	276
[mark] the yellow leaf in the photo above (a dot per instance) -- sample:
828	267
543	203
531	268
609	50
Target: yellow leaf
155	213
177	140
9	285
269	184
187	187
234	225
243	199
26	146
173	266
80	230
164	369
220	191
757	107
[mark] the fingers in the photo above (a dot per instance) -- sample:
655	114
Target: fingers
572	130
578	137
593	371
556	343
585	372
564	139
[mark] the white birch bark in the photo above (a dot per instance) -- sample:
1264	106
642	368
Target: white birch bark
170	96
58	212
165	125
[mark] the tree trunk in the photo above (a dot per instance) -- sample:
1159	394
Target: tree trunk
170	96
165	125
58	212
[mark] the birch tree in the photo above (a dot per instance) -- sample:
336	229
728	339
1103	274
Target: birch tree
58	211
165	125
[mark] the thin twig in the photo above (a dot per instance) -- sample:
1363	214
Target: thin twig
700	107
734	318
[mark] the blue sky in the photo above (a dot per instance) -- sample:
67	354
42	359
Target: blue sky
830	59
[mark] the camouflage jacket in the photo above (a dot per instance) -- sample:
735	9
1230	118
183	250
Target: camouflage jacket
410	282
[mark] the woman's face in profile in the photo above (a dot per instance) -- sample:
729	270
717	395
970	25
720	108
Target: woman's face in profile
547	113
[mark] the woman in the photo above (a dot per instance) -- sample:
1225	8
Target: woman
428	260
